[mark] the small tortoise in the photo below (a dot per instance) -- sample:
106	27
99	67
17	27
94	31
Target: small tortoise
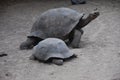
62	23
51	49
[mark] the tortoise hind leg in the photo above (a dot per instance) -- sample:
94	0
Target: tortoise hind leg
75	38
29	43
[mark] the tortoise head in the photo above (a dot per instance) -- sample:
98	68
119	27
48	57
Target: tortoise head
26	45
94	14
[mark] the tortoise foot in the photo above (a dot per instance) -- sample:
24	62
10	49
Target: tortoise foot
57	61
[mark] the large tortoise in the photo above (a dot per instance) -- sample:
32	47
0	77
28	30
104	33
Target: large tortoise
63	23
51	50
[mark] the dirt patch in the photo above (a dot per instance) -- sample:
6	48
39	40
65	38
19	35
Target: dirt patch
97	59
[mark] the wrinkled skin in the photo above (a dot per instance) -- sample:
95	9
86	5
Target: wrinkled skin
76	34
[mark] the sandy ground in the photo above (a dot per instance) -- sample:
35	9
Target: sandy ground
98	57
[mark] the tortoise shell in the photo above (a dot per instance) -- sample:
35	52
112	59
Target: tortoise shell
51	48
56	23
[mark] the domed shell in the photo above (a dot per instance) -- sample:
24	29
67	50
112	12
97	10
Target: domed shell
51	48
55	23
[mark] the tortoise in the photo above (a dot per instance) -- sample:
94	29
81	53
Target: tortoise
52	49
62	23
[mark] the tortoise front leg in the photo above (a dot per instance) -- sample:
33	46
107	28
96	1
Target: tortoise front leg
75	38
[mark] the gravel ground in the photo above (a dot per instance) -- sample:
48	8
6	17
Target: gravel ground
98	57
